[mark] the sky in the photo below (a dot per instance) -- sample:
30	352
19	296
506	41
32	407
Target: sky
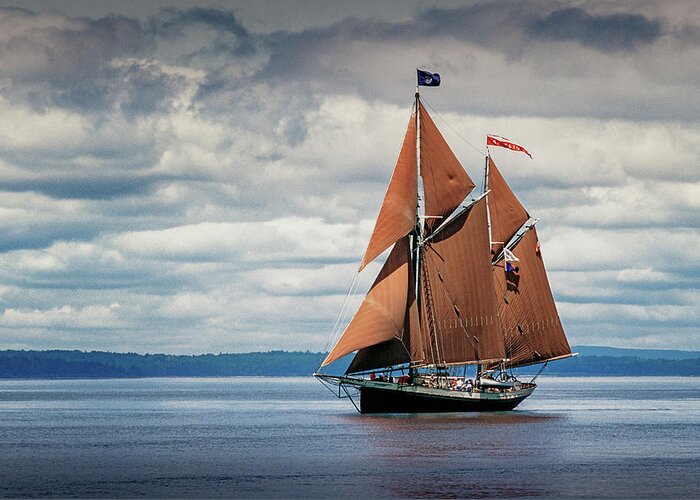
192	177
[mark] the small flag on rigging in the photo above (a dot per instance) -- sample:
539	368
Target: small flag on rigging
496	140
427	79
510	258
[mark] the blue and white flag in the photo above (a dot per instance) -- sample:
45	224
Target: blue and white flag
510	259
427	79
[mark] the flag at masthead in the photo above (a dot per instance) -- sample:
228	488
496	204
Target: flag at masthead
427	79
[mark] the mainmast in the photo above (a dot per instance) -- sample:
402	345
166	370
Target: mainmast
420	272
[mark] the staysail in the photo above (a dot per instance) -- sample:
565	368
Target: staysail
381	316
531	327
395	351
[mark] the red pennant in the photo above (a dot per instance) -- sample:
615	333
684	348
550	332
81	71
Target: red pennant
494	140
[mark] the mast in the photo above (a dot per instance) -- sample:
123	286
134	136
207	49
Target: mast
421	273
486	195
488	223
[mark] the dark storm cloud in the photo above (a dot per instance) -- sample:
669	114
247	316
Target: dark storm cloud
296	58
172	24
92	64
64	62
616	32
65	48
508	26
498	26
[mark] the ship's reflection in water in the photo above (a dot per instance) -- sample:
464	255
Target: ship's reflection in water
462	455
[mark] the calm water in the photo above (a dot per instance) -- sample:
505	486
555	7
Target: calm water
267	437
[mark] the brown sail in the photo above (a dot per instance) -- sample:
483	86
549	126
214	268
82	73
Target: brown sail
382	315
395	351
507	214
445	182
397	215
529	319
460	322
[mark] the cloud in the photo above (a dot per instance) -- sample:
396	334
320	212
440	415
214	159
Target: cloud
89	317
214	172
607	33
284	239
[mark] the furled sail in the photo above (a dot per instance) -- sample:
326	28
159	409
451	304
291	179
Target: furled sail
397	215
445	182
459	311
529	319
382	315
507	214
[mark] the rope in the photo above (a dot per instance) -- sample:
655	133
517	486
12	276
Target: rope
335	333
480	151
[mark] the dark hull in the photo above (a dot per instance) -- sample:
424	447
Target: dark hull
391	400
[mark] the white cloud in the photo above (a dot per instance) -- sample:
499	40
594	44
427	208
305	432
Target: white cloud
66	316
284	239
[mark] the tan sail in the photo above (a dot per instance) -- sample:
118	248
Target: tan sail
395	351
382	315
459	316
445	182
397	215
507	214
529	319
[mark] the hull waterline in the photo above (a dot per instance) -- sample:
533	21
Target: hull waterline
388	397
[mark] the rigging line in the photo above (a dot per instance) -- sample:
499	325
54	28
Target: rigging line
427	310
335	332
483	153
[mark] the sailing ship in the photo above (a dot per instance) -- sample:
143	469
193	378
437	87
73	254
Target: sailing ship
463	290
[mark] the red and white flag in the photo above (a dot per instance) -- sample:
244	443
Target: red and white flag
497	140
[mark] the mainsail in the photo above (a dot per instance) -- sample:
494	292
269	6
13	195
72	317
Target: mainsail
443	296
458	299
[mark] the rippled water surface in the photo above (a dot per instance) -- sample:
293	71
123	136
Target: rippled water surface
275	437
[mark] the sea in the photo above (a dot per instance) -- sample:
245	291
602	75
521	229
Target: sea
263	437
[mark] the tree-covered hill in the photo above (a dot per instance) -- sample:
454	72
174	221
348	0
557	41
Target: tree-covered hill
78	364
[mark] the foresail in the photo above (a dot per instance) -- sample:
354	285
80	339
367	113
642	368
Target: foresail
395	351
459	312
529	319
397	215
445	182
507	214
382	315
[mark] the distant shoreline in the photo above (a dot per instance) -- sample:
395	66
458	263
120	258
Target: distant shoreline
79	365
